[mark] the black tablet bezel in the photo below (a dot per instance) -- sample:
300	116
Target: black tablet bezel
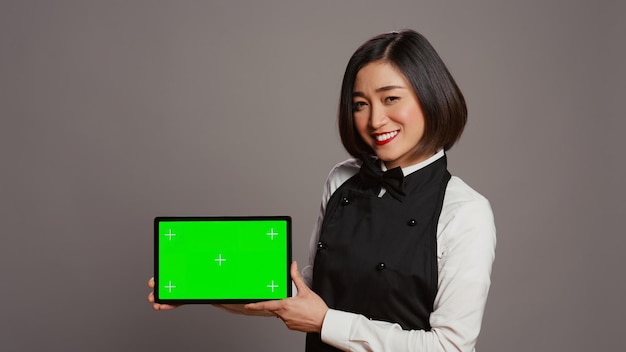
159	219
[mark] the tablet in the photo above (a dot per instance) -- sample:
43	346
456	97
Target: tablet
221	259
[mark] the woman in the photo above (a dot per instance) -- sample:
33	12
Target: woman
401	256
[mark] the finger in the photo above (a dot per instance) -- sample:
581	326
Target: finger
297	278
151	297
157	306
151	283
267	305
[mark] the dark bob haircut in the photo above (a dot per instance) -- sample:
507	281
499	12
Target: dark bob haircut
441	100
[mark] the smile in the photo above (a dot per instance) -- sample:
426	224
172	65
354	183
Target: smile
384	138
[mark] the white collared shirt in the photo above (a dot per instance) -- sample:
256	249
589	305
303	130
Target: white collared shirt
466	241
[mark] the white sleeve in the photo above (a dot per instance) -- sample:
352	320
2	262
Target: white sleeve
466	242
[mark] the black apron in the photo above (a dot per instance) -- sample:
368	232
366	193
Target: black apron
377	256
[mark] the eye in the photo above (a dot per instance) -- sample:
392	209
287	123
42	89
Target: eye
391	99
358	105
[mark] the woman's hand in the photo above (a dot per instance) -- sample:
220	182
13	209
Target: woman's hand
158	306
305	312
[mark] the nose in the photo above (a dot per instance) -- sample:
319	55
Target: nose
378	118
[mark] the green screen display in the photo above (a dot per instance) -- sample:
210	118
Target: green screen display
226	259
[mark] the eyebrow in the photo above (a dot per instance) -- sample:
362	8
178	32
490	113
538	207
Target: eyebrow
379	90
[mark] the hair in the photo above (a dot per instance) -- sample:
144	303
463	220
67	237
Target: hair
441	100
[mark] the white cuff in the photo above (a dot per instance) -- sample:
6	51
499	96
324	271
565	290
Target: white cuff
336	328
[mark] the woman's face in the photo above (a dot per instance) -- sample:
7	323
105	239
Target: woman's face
387	114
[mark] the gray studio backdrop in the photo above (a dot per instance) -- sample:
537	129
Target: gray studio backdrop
113	112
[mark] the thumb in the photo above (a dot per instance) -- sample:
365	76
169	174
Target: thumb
297	278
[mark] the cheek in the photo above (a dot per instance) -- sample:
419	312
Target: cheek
360	124
411	119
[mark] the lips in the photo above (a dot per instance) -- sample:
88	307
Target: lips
384	138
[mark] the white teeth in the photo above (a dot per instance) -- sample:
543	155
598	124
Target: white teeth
386	136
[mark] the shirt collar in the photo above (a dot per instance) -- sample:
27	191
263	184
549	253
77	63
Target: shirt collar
412	168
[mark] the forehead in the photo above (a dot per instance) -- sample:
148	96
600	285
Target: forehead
379	74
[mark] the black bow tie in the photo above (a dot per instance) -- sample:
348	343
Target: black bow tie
392	180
